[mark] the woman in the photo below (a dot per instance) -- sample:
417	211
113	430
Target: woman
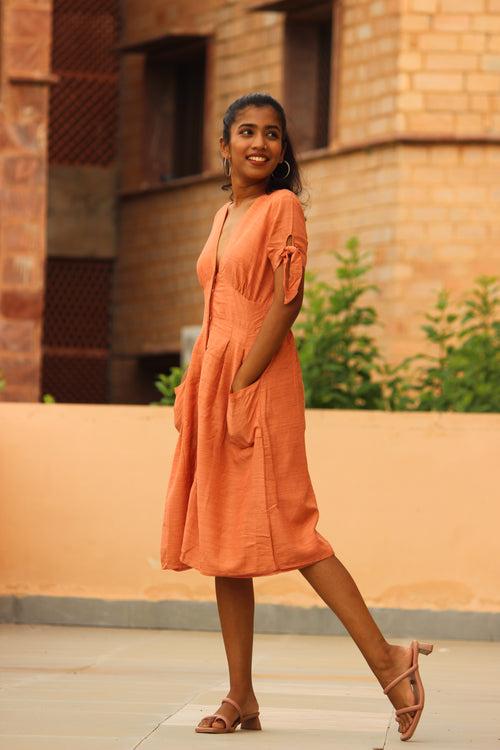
240	501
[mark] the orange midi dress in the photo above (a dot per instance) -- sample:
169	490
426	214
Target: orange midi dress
239	500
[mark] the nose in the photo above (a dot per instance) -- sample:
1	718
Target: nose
259	140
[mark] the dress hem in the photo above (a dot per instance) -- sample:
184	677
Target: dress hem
275	571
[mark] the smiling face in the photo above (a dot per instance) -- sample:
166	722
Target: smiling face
255	148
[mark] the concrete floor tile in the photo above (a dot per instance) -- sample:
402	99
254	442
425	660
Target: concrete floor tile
37	742
294	718
77	688
58	720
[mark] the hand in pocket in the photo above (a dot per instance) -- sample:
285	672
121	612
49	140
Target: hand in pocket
243	414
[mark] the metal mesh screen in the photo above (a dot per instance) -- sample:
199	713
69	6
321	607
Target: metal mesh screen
75	380
76	331
84	104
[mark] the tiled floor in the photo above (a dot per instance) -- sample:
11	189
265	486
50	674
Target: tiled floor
76	688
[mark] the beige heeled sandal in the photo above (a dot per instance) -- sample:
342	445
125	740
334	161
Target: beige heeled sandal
422	648
249	721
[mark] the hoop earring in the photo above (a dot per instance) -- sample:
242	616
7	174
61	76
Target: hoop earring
282	177
226	171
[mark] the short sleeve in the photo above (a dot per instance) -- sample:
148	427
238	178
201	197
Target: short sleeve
287	219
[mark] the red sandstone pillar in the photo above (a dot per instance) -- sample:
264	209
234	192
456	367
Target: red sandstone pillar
25	41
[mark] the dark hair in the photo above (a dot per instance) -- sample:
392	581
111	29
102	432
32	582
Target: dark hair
293	181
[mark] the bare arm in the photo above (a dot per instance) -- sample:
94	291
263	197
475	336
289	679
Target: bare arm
277	323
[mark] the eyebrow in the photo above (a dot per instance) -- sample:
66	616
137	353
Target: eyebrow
253	125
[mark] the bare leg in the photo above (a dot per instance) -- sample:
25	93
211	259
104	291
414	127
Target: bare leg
335	585
235	602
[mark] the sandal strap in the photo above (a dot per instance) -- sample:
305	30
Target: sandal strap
408	709
233	703
219	716
401	677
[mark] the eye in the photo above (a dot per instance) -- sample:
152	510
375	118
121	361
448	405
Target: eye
249	130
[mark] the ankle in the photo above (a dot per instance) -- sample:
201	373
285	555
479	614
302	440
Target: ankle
385	658
243	691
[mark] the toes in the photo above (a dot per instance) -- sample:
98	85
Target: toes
208	722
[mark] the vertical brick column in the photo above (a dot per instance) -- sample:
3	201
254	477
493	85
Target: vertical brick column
25	38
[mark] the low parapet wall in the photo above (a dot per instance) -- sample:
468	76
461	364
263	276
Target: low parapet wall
408	501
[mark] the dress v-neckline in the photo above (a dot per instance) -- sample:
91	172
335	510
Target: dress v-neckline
217	267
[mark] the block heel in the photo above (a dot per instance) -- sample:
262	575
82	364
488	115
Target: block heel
251	722
425	648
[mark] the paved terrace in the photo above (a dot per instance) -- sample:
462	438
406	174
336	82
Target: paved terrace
80	688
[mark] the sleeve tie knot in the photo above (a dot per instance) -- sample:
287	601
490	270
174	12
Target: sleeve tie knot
292	271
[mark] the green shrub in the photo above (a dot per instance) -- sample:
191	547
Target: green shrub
464	376
343	368
166	384
338	356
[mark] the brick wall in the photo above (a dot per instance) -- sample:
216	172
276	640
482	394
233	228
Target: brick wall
368	61
25	48
449	65
412	167
428	214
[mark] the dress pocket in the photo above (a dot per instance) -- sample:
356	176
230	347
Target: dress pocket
242	415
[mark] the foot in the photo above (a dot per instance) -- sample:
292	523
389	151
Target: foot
402	694
247	701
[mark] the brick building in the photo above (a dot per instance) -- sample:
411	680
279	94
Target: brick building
394	109
24	91
58	137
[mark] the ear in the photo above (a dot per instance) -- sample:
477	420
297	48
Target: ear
224	148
